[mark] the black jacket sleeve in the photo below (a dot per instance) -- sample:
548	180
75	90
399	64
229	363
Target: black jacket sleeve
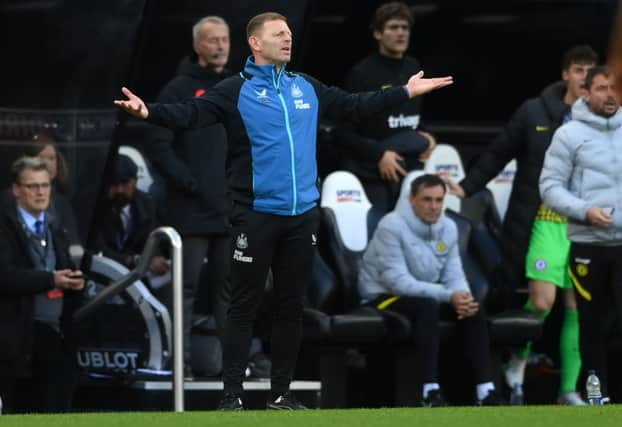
161	153
205	110
340	105
355	144
17	280
506	146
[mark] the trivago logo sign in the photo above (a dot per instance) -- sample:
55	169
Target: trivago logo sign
115	360
344	196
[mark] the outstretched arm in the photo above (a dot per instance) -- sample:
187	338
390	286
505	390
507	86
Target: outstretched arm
189	114
339	104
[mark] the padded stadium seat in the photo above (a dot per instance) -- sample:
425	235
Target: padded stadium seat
333	333
333	318
350	221
345	215
446	162
324	319
145	178
501	187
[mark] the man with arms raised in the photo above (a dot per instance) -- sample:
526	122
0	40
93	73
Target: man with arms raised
271	118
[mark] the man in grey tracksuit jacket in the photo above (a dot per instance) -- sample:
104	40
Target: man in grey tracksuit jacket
582	179
412	266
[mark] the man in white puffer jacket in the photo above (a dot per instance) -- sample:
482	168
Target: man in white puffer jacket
582	179
412	266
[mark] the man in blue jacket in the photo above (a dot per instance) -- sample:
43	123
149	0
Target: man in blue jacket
412	266
271	119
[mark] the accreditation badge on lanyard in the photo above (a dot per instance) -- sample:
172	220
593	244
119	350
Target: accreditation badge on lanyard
54	293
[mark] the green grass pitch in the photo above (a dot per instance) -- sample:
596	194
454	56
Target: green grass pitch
525	416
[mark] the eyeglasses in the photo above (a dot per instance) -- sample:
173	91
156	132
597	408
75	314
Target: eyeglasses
36	186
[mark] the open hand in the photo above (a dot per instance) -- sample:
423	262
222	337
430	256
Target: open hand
133	105
417	85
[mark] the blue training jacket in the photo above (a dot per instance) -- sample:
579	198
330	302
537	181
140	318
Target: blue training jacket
271	120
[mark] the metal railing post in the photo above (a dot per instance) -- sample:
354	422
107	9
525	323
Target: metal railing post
178	317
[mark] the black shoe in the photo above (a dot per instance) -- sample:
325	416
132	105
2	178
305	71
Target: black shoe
492	399
285	401
435	399
230	402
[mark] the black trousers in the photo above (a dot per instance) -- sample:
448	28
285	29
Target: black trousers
596	272
425	314
53	381
260	242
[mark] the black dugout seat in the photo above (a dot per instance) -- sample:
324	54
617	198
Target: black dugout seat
333	317
348	222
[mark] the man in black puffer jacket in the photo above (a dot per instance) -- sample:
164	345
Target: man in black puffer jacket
525	138
192	163
381	150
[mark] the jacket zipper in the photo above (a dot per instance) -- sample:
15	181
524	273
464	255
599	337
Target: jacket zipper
276	81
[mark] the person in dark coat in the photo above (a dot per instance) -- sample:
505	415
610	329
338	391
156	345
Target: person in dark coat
126	219
39	291
192	163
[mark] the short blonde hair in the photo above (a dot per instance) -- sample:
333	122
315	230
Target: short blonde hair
256	22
